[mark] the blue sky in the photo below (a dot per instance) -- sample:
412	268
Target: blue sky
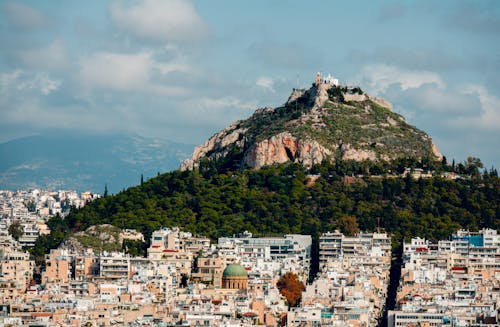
181	70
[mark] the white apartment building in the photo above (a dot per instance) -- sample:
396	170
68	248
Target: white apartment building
334	245
452	283
114	266
246	246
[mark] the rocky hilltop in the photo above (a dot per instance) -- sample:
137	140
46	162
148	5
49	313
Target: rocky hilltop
101	238
326	122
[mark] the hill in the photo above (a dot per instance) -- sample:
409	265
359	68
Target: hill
63	160
288	198
330	158
326	122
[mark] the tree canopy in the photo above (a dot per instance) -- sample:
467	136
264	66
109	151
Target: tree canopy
16	230
284	199
291	288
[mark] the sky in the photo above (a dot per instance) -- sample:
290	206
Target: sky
182	70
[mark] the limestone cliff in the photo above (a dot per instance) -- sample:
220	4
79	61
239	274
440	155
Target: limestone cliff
325	122
284	147
217	146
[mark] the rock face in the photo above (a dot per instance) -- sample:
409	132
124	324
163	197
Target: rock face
284	147
100	238
324	122
436	152
216	146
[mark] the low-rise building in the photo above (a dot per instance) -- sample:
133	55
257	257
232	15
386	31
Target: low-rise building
16	272
58	267
452	283
114	266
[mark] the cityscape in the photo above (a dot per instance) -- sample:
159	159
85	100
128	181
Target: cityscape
249	163
187	280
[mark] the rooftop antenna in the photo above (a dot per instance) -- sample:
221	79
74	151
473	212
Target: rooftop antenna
297	89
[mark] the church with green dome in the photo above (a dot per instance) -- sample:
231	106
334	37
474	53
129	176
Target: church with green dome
234	277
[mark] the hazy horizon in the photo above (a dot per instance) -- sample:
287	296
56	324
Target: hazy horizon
181	70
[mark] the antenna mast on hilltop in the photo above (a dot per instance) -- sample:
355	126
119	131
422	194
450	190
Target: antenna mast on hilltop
298	76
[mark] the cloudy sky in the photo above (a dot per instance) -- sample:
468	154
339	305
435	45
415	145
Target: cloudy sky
181	70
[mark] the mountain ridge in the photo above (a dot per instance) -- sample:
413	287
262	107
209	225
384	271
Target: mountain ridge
84	161
326	122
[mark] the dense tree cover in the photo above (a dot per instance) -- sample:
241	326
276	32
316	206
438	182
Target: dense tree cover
16	230
291	288
59	231
336	93
281	199
348	225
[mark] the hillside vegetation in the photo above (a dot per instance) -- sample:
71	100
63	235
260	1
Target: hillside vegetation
282	199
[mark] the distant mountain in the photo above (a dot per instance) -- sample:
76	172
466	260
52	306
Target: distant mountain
326	122
62	160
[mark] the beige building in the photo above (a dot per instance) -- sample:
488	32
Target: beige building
183	261
86	266
210	270
195	245
115	266
16	271
162	241
57	267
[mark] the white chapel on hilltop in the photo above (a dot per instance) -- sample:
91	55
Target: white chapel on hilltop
326	80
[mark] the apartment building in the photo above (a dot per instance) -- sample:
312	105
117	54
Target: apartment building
335	245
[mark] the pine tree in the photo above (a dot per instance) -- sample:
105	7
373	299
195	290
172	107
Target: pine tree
444	162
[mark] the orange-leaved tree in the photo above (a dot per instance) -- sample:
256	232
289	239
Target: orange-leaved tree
291	288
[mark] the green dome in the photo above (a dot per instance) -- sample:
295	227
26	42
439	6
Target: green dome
234	271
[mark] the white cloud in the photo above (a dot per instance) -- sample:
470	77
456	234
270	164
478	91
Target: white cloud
36	114
175	66
159	20
489	115
380	77
224	102
6	82
437	99
266	83
46	84
178	62
216	111
19	80
461	107
51	57
129	72
430	99
462	119
115	71
23	16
